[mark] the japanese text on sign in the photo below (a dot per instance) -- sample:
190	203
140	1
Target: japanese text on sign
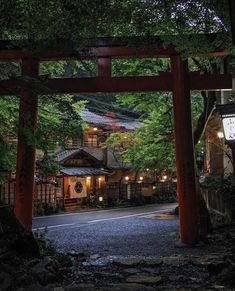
229	128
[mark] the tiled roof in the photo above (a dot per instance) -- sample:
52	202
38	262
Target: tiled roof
94	118
61	156
95	153
105	121
130	124
85	171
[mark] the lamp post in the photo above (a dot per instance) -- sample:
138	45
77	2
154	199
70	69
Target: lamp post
227	113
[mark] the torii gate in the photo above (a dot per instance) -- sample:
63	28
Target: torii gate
180	81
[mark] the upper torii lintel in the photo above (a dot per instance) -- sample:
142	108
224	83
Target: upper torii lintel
116	47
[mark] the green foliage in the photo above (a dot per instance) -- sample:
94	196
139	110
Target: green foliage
59	120
225	186
81	68
42	23
140	67
47	166
147	147
152	145
8	116
50	20
53	69
8	125
7	157
200	154
46	246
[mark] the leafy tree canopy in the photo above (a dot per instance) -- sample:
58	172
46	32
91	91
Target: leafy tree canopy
75	20
47	21
59	119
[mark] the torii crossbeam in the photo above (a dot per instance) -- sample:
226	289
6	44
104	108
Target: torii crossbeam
179	81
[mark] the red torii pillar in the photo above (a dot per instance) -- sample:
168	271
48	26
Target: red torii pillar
26	150
185	161
104	67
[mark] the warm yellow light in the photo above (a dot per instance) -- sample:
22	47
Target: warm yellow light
95	128
101	199
88	178
141	178
100	182
164	177
220	134
127	178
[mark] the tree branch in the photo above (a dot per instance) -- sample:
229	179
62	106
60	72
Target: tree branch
209	105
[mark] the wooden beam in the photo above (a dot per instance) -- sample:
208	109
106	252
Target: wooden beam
163	83
115	84
211	82
10	55
91	53
103	52
132	47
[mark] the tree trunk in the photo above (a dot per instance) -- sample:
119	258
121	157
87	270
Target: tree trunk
209	105
136	174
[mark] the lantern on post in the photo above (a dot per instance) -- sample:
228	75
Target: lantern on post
227	113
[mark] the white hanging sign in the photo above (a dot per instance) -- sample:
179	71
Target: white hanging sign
229	128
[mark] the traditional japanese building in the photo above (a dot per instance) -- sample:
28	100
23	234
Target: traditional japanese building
90	170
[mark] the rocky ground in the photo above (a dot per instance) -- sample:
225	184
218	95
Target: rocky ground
210	266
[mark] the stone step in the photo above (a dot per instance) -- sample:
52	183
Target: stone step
71	204
70	201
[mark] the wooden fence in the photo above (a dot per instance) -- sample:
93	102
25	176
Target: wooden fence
7	193
124	191
45	193
165	192
214	200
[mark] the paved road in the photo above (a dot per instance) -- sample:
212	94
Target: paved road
123	231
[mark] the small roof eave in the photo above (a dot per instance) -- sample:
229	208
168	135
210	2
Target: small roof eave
83	171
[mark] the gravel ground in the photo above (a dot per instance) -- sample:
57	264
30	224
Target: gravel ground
150	235
131	236
131	254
